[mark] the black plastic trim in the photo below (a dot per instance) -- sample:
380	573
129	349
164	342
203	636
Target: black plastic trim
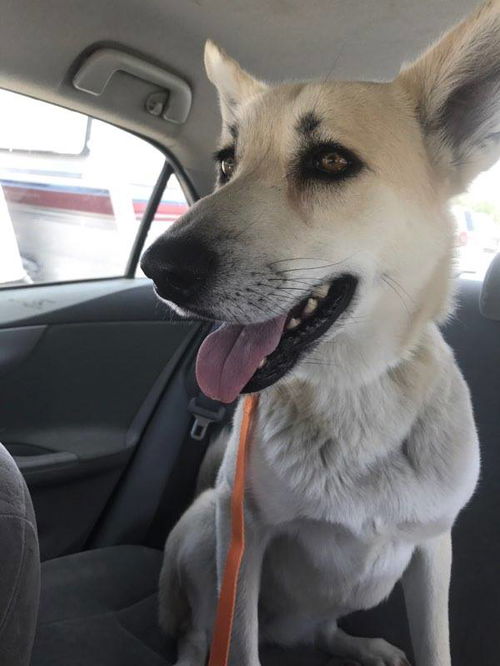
147	218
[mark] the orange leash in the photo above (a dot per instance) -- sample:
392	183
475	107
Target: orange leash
221	640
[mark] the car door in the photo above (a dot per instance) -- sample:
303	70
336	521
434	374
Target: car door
86	351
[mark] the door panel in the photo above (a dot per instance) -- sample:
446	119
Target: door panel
16	344
118	299
85	357
82	368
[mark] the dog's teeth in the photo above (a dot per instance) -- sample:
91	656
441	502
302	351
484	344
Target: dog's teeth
293	323
263	362
311	305
321	291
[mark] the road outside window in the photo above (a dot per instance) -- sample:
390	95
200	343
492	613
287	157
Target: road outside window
477	214
73	191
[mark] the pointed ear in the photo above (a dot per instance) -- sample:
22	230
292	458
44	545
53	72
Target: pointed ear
455	89
233	84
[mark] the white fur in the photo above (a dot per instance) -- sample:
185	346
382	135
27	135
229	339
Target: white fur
362	457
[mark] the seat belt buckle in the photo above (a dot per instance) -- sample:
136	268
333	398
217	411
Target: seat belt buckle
203	418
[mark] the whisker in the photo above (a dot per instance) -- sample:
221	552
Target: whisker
314	268
306	268
284	280
286	288
265	311
400	286
282	261
398	294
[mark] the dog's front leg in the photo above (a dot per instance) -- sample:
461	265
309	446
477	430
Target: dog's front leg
245	635
426	585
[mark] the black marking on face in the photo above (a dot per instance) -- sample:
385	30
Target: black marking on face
233	131
324	161
308	123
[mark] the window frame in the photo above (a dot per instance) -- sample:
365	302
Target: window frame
147	219
171	167
49	153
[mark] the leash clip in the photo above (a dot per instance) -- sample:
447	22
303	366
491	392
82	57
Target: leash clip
203	418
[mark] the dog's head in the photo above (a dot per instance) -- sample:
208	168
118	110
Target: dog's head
329	223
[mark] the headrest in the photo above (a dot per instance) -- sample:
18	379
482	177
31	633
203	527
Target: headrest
489	302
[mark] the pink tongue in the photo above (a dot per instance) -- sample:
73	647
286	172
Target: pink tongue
229	356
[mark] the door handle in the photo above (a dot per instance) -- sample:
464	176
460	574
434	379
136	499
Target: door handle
97	71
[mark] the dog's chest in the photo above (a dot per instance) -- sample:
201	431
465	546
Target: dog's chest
333	469
342	495
346	572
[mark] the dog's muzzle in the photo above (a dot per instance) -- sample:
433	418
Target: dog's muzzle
181	267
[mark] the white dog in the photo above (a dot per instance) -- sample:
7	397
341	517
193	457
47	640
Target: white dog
327	252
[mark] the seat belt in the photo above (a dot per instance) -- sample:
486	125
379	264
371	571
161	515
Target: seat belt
205	412
180	487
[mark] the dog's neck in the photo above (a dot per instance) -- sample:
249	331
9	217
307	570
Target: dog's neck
351	366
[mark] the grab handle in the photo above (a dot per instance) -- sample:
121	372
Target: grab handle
96	72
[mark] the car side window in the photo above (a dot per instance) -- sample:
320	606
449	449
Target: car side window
477	217
73	192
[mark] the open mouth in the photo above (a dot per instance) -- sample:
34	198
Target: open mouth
238	359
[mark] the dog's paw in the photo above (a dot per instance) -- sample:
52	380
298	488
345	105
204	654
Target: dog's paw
372	652
372	661
382	653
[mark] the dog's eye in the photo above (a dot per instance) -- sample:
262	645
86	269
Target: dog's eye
331	162
227	165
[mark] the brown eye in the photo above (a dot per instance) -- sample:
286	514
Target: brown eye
331	162
328	162
227	165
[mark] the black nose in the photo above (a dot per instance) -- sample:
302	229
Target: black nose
180	266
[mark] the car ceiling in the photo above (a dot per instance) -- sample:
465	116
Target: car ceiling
41	44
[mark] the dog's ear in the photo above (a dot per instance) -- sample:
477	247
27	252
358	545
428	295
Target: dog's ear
233	84
455	89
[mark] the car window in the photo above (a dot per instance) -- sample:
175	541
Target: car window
73	191
477	216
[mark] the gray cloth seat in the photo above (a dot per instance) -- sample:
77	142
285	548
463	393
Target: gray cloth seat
99	608
19	566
